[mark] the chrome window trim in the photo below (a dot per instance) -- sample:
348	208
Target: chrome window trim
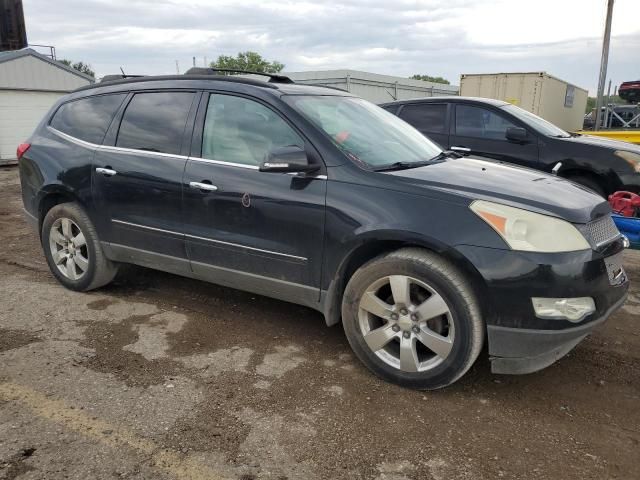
133	151
75	140
223	162
221	242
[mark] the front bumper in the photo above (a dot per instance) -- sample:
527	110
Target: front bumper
523	350
520	342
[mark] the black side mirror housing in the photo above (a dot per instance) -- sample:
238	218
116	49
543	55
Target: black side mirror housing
289	159
517	134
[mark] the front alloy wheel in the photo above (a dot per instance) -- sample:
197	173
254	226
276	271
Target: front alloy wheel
412	318
406	323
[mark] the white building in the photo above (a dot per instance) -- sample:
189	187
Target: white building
30	83
372	86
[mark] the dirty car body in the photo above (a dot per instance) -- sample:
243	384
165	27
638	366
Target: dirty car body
327	203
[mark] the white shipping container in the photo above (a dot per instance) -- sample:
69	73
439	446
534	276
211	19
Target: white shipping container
555	100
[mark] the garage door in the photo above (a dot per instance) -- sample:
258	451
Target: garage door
20	113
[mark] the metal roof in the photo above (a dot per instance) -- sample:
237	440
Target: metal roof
10	55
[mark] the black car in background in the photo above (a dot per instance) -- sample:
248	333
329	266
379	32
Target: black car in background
317	197
502	131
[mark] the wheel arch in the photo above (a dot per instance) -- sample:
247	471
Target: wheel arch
52	195
601	180
376	244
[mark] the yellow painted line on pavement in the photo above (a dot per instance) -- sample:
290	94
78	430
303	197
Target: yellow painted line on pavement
180	466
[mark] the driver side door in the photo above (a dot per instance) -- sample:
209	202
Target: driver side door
257	231
482	131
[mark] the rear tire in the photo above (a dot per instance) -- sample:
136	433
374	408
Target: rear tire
426	330
72	249
590	183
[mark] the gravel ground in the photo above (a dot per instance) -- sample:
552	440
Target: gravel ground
157	376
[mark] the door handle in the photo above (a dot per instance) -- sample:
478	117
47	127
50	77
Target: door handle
461	149
106	171
203	186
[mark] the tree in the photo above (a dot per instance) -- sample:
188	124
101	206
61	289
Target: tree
79	66
251	61
428	78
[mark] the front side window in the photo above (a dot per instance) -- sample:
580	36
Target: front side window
539	124
155	122
366	133
481	123
239	130
88	118
428	117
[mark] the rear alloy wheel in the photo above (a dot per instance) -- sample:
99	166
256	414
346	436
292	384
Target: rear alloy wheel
73	250
69	248
412	319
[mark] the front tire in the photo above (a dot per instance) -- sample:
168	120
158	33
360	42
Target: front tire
412	319
72	249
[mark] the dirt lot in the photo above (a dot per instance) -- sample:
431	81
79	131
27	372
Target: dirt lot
159	377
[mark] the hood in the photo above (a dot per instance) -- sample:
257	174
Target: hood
481	179
603	142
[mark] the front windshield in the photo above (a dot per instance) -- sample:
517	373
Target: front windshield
365	132
540	124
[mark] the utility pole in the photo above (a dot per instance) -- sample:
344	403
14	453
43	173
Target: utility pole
603	64
177	68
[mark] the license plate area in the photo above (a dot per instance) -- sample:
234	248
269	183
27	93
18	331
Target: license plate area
615	270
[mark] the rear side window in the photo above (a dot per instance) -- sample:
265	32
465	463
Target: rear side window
88	118
155	122
426	117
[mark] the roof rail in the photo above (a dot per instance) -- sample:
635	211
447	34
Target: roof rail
118	76
273	77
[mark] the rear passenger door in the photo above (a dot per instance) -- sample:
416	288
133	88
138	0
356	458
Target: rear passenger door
244	228
137	178
430	119
482	131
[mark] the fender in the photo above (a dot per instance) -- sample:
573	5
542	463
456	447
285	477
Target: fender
372	243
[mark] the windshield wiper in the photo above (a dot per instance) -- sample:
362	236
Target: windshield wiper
400	166
421	163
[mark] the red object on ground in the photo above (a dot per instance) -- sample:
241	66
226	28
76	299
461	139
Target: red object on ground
625	203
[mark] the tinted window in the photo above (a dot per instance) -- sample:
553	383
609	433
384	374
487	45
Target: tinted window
390	108
155	121
481	123
239	130
87	119
426	117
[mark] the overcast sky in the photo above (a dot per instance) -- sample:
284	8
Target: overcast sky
401	37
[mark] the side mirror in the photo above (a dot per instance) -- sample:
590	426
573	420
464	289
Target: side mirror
287	159
517	134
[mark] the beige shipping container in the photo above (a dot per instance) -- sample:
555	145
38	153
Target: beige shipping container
549	97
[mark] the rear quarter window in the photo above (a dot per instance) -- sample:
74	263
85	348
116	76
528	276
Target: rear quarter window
88	118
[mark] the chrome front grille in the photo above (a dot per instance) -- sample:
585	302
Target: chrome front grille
603	230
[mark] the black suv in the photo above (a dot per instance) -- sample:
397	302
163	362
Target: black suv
502	131
317	197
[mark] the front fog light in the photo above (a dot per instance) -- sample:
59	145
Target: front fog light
572	309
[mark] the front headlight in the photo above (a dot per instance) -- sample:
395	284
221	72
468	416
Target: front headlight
530	232
633	159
